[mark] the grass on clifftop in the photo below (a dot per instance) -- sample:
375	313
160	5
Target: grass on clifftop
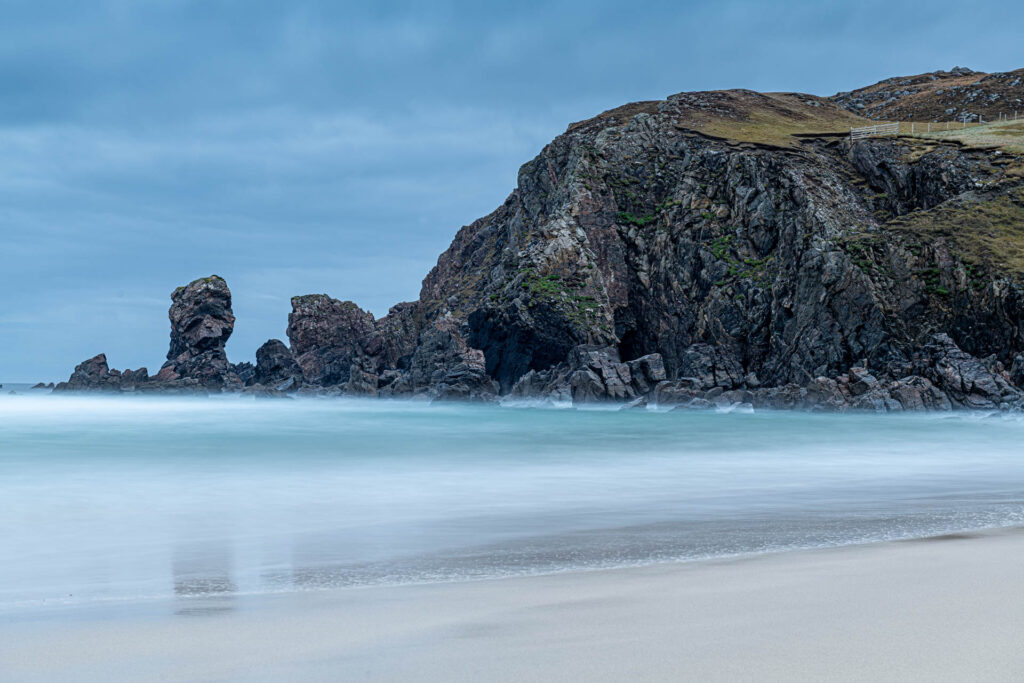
989	233
762	118
1008	135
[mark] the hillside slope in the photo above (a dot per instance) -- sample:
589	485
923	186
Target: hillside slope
955	95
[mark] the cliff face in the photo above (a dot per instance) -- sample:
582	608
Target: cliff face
714	247
788	263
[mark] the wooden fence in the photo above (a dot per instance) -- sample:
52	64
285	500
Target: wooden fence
872	131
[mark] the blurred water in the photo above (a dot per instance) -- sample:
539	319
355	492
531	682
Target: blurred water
107	499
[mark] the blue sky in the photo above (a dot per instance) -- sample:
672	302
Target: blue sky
298	147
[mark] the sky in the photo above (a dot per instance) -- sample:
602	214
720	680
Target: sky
330	146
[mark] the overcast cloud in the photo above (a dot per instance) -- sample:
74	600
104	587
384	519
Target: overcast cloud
297	147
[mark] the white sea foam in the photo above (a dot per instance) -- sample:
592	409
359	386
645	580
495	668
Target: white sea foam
113	497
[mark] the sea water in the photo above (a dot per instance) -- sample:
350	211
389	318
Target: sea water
107	499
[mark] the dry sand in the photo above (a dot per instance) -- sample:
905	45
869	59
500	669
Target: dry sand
941	609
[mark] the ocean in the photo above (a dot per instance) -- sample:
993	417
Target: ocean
166	500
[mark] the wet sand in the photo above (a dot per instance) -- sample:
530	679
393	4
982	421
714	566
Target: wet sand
948	608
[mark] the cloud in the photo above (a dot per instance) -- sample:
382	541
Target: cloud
338	146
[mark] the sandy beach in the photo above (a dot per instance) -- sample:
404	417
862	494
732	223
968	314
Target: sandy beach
946	608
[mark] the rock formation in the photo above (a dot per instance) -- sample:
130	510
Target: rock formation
674	252
276	366
201	323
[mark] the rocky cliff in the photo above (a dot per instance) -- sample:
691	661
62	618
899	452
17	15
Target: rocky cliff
714	248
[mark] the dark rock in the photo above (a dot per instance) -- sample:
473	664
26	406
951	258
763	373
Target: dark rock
917	393
646	373
275	365
713	366
201	323
445	367
363	379
327	335
963	378
245	371
593	374
132	380
861	381
673	392
1017	370
92	374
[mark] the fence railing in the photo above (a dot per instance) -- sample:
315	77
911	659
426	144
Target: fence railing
871	131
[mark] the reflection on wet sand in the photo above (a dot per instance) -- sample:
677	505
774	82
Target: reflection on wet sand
202	579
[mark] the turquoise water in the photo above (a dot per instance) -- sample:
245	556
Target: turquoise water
129	499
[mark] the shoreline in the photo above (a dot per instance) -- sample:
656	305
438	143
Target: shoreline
149	605
941	607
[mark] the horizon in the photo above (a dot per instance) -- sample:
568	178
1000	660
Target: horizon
145	148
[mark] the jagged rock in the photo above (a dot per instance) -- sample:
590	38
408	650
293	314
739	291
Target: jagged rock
712	366
363	379
275	365
327	335
787	397
695	404
646	372
598	374
39	385
592	374
245	371
672	392
962	377
1017	370
92	374
201	323
400	332
132	380
917	393
444	367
